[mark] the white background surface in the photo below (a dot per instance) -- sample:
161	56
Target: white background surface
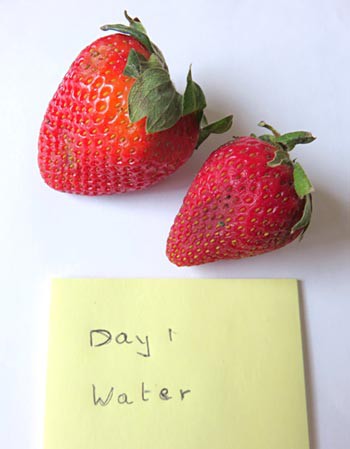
282	61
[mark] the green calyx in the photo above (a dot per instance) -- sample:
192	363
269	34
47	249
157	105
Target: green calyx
153	95
285	143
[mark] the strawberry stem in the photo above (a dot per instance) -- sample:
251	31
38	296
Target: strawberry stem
269	127
131	20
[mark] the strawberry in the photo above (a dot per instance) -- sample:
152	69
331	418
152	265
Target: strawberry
116	122
248	198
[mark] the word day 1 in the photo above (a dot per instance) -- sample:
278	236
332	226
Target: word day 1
102	337
145	395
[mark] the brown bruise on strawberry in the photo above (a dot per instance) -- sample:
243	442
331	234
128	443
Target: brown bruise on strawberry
236	207
87	143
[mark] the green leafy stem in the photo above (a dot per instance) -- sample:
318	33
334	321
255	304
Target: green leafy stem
285	143
153	95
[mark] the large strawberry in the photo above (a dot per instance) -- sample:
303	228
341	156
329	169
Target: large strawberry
116	122
248	198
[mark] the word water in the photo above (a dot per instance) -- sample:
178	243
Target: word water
145	395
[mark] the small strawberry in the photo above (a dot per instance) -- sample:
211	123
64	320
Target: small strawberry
116	122
248	198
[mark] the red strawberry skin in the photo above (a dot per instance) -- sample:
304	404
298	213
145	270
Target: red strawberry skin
237	206
88	145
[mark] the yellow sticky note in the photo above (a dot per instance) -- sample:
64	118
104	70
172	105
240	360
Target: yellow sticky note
175	364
